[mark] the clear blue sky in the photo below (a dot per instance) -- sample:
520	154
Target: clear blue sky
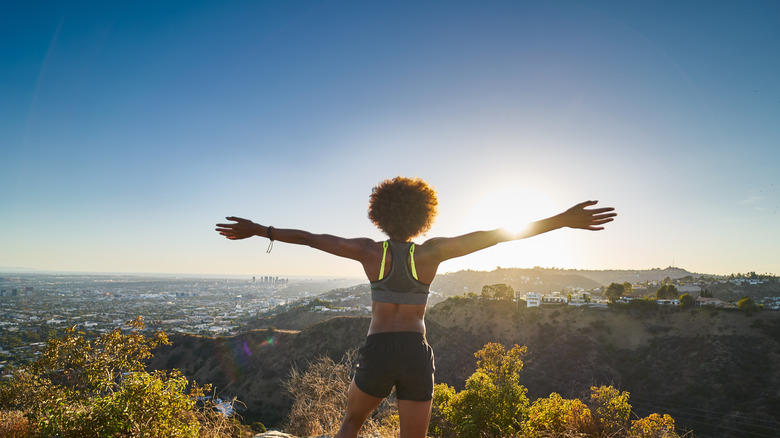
128	129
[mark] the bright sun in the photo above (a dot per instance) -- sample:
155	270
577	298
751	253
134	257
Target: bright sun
510	207
513	207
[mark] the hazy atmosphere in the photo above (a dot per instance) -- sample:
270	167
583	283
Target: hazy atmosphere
128	129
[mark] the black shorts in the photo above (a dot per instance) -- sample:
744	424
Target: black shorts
400	359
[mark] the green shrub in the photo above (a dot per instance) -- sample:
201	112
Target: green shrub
653	426
556	416
493	404
609	409
99	388
258	427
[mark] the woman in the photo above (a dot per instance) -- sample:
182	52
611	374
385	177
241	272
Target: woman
396	352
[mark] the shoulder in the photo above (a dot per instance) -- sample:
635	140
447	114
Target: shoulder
435	244
363	244
360	248
431	249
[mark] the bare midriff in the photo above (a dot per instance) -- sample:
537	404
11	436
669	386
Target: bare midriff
391	317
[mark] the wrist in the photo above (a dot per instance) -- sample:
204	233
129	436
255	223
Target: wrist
269	233
561	220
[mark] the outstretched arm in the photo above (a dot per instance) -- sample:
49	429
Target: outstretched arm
355	249
578	216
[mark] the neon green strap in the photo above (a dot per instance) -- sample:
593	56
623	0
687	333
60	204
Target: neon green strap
411	262
384	256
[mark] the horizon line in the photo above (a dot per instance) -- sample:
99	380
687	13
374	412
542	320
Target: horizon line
23	270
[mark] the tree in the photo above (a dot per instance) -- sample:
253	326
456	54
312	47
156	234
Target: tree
628	288
503	292
667	292
498	292
493	404
686	300
614	292
747	304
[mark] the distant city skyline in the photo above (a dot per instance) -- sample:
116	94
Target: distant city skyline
128	130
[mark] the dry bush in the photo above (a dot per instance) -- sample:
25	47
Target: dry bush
215	424
14	424
320	399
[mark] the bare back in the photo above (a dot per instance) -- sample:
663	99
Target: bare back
392	317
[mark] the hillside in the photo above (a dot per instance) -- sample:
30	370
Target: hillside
548	279
521	280
252	365
712	370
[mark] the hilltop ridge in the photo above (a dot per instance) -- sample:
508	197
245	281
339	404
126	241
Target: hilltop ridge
677	361
550	279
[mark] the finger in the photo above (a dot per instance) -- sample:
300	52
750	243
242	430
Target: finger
597	226
601	210
586	204
602	221
601	213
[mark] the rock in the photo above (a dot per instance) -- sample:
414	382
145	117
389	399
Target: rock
274	434
277	434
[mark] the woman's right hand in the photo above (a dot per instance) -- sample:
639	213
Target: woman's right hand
241	229
584	218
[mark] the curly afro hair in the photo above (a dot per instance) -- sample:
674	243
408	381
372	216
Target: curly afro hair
402	207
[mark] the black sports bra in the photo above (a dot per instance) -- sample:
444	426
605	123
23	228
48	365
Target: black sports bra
400	286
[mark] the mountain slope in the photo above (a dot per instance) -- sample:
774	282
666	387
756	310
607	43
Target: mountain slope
713	371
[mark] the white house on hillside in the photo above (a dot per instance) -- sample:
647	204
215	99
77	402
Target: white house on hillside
704	301
580	299
554	299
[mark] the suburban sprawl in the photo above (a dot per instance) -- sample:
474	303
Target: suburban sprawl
36	307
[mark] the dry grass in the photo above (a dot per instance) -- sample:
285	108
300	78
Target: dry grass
215	424
320	399
14	424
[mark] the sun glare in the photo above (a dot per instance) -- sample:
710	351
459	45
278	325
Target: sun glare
513	207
